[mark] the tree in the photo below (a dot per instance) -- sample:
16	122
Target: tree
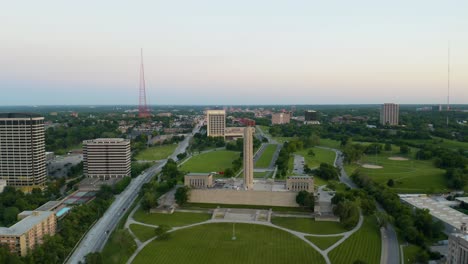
311	153
181	195
149	201
162	232
327	172
301	197
390	183
404	149
93	258
228	173
348	212
388	146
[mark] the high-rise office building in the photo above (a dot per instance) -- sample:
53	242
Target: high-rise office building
22	150
216	120
280	118
389	114
310	115
106	158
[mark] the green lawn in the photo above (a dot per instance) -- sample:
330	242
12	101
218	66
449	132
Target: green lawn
173	220
274	208
321	156
309	225
410	176
265	160
409	253
262	174
325	142
156	153
212	243
442	142
142	232
213	161
324	242
119	247
363	245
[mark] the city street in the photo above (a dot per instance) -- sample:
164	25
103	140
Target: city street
98	235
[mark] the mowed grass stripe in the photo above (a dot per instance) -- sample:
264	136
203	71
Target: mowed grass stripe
213	161
172	220
309	225
364	244
265	160
212	243
324	242
142	232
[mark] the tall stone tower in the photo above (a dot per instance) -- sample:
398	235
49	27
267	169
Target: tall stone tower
248	158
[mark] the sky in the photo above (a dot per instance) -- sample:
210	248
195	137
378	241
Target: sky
233	52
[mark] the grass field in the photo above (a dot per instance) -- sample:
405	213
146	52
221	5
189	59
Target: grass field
265	160
409	253
363	245
173	220
410	176
325	142
321	156
308	225
441	142
211	161
119	248
156	153
142	232
212	243
274	208
324	242
262	174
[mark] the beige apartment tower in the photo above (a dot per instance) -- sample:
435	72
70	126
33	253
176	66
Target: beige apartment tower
280	118
389	114
248	158
216	123
22	150
106	158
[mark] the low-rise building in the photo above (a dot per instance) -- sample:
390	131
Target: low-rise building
23	236
199	180
300	183
458	247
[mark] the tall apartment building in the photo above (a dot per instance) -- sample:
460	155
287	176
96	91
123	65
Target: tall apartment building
389	114
23	236
106	158
216	120
22	150
280	118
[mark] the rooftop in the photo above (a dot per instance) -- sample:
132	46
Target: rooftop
26	224
437	209
107	140
19	115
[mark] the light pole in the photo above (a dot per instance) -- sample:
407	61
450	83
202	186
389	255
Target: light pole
234	231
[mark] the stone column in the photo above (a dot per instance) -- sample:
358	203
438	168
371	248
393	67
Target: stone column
248	158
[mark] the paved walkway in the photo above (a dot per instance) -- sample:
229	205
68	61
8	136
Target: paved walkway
300	235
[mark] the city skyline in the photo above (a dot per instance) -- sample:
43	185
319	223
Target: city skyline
255	53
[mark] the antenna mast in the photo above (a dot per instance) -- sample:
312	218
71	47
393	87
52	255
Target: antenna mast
143	111
448	82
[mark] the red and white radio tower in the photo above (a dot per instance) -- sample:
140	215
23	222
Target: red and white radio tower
143	111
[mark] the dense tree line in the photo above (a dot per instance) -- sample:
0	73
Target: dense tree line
416	226
347	204
75	131
202	142
56	248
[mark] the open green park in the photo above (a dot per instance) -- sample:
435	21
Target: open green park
324	242
409	175
365	244
309	225
217	160
173	220
213	243
266	157
156	153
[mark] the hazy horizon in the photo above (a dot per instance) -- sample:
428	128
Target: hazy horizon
233	53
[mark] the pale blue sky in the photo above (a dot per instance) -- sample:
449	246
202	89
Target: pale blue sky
232	52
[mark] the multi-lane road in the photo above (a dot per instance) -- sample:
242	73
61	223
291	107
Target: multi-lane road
97	236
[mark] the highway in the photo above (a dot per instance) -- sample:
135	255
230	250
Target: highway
98	235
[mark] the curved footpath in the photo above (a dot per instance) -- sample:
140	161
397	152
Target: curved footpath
390	248
300	235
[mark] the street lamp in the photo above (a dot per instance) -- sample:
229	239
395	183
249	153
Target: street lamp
234	231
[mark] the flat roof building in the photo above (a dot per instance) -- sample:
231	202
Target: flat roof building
389	114
23	236
199	180
22	150
216	123
106	158
300	183
280	118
